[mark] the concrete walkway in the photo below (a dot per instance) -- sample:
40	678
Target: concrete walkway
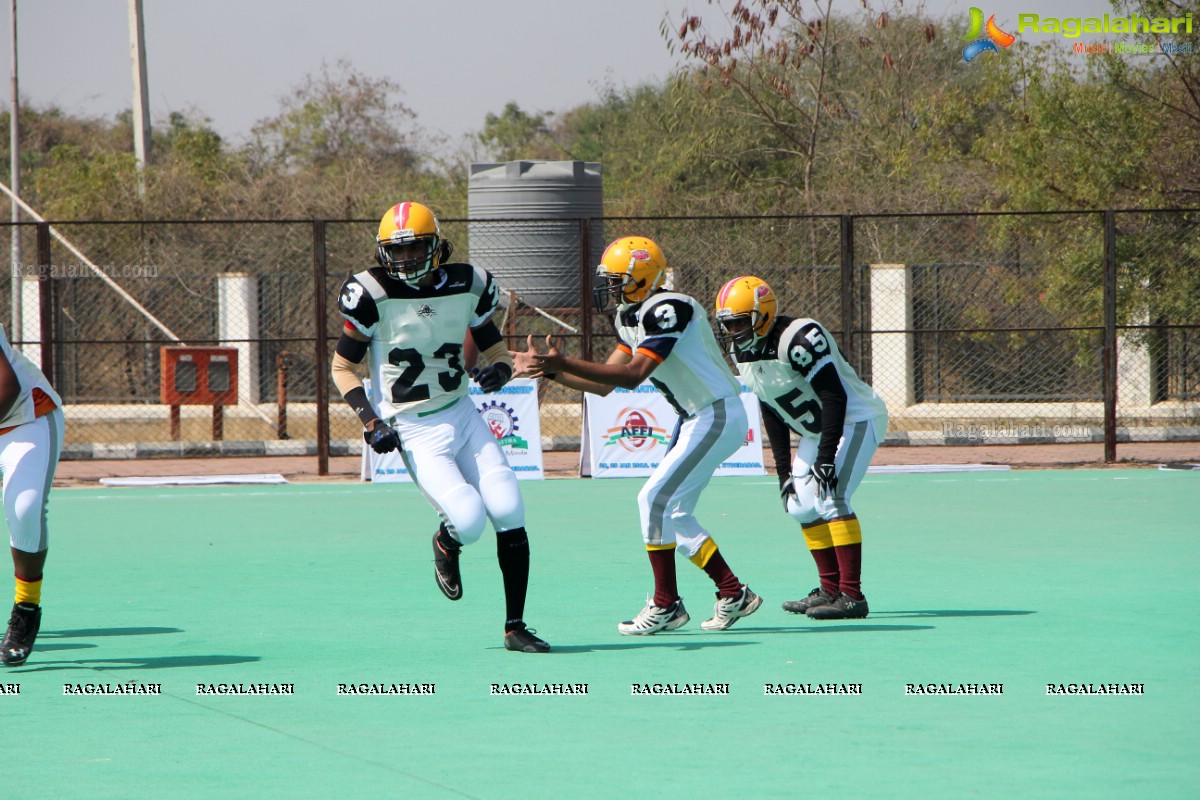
565	464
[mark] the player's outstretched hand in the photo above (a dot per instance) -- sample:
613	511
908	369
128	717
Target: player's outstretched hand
549	362
826	477
492	377
523	366
382	438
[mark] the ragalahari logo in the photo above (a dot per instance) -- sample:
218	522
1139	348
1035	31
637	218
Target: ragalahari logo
985	37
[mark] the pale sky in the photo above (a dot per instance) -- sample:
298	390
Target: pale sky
457	60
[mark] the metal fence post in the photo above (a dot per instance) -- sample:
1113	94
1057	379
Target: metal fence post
320	350
45	300
585	289
849	342
1109	350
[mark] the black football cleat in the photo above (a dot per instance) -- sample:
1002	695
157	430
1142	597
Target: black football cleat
445	568
522	640
23	628
817	597
842	607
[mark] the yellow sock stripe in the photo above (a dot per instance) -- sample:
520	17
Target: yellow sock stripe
28	592
845	531
706	551
670	546
817	537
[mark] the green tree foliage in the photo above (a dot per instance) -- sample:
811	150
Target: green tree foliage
829	101
336	117
780	106
515	135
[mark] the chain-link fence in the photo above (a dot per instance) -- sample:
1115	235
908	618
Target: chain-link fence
973	327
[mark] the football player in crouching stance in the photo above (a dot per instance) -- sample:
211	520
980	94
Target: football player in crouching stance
31	438
805	385
665	336
410	315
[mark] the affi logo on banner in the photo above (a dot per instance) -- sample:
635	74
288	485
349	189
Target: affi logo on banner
502	422
637	431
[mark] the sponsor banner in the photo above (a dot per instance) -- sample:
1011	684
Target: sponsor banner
627	433
512	416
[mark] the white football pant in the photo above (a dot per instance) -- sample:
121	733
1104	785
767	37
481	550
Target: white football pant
28	459
461	469
670	495
855	449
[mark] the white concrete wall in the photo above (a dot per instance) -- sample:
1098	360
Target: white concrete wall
892	353
237	319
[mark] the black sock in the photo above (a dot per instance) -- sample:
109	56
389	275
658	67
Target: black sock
512	551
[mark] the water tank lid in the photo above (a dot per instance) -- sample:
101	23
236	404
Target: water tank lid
513	170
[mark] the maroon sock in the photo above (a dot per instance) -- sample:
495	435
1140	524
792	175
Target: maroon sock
727	583
665	589
827	569
849	559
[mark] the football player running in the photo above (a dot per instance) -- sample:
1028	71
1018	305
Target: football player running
665	336
409	316
31	438
805	385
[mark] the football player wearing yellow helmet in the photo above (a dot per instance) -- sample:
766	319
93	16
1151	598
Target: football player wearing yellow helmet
631	269
409	317
664	337
804	385
409	245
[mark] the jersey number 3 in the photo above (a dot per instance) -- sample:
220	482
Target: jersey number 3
406	389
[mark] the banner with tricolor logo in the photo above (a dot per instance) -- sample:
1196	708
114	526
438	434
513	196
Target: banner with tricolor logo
512	416
627	432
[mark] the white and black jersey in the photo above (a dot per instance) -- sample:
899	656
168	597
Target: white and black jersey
781	373
35	393
417	333
673	329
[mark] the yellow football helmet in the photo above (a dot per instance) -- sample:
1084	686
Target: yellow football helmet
631	268
745	311
410	243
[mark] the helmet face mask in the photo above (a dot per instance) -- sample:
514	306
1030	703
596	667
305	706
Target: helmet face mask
409	245
409	260
631	268
745	312
609	289
737	330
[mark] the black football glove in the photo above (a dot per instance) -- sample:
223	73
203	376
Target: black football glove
825	476
787	490
492	377
382	438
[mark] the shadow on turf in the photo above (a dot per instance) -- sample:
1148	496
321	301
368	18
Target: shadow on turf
114	664
951	612
73	634
818	627
50	648
677	641
107	664
684	641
